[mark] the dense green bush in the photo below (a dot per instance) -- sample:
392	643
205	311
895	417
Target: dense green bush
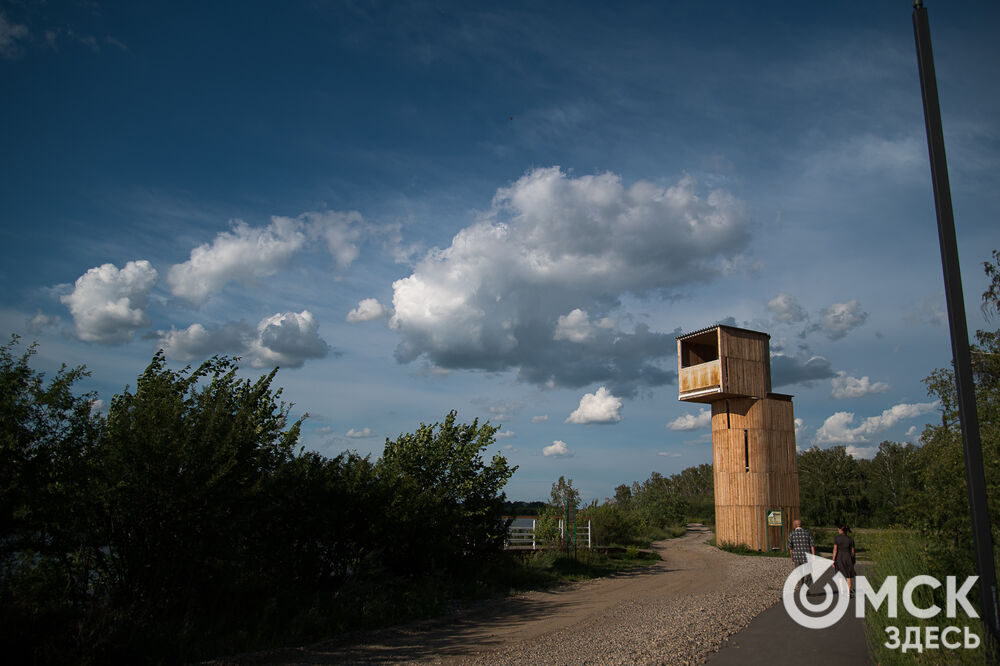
446	502
186	524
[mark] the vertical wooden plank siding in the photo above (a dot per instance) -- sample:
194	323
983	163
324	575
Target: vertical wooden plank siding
759	434
746	370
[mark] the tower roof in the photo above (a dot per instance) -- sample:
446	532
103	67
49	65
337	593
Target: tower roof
715	326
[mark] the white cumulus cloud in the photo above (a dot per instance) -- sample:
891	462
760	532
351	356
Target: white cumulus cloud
845	386
358	434
840	429
557	449
597	407
368	309
108	305
553	244
246	254
287	339
703	419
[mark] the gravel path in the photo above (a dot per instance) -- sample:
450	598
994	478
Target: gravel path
678	611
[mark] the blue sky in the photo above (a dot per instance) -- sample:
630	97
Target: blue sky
502	209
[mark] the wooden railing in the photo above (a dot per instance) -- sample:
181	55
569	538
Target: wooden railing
700	378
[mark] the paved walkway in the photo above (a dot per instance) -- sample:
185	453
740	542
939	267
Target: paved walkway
773	637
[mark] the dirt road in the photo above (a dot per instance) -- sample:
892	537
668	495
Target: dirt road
677	611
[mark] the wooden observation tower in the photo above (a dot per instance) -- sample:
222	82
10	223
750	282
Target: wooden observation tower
753	433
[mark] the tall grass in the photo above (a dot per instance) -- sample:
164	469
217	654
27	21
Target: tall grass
904	555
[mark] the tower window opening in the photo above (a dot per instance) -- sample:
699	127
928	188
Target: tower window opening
746	449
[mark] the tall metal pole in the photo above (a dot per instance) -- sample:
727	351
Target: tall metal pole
974	476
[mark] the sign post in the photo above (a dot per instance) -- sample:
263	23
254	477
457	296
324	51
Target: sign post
774	518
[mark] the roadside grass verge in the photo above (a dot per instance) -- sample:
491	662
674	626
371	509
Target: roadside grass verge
865	540
743	550
547	568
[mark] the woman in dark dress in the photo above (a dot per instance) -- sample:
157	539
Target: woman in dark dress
843	554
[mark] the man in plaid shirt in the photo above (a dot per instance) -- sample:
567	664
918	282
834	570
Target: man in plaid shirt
800	542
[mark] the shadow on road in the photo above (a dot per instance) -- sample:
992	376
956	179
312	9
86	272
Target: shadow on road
458	636
483	627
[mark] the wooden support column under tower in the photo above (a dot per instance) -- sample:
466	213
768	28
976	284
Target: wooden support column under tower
753	432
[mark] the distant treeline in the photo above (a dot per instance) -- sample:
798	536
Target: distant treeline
524	508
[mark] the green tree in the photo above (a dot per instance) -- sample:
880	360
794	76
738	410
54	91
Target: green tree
447	503
563	492
942	509
623	496
187	465
831	487
658	504
695	486
893	483
547	526
47	503
613	523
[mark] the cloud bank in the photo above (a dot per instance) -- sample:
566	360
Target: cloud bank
531	284
840	319
803	368
786	309
845	386
839	428
246	254
286	339
835	321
